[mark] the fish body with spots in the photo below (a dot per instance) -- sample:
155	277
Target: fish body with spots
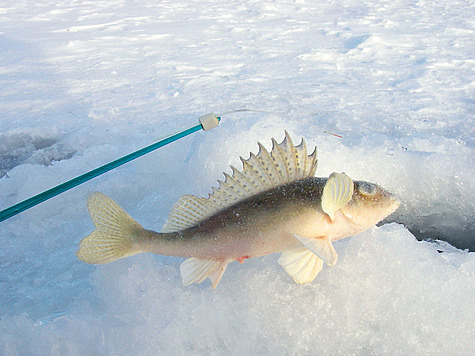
275	205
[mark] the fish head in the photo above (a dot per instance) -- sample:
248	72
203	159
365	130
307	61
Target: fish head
369	204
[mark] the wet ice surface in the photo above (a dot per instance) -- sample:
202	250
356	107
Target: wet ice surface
25	148
84	83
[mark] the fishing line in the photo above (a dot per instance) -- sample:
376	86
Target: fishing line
272	113
248	110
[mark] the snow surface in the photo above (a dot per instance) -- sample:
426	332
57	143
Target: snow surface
85	82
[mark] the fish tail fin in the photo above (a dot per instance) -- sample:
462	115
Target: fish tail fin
116	232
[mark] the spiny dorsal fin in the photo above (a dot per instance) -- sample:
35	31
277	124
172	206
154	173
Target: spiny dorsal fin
285	163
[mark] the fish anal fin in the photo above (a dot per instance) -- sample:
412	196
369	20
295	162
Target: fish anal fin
337	192
218	273
195	270
322	247
301	264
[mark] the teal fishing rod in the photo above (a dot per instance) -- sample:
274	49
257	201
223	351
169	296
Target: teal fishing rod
207	122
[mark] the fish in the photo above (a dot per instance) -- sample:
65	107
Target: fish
274	204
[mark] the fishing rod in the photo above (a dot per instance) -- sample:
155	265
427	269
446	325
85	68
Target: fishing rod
206	123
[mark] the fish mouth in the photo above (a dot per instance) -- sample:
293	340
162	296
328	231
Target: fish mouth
394	202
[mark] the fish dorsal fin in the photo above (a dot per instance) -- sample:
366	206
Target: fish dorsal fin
285	163
337	192
186	212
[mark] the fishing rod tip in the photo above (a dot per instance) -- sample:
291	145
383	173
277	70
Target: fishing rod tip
209	121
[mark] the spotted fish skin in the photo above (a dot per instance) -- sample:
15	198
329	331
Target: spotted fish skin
264	224
274	204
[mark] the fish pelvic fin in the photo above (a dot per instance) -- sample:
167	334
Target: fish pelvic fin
320	246
301	264
115	235
195	270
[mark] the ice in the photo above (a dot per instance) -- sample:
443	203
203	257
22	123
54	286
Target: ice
83	83
387	294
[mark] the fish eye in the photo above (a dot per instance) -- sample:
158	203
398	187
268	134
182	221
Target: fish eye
366	188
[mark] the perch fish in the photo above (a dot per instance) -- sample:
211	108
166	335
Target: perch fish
274	204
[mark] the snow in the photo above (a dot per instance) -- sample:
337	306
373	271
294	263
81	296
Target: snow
85	82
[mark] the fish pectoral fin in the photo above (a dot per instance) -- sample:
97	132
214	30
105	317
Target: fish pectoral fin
195	270
322	247
301	264
337	192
